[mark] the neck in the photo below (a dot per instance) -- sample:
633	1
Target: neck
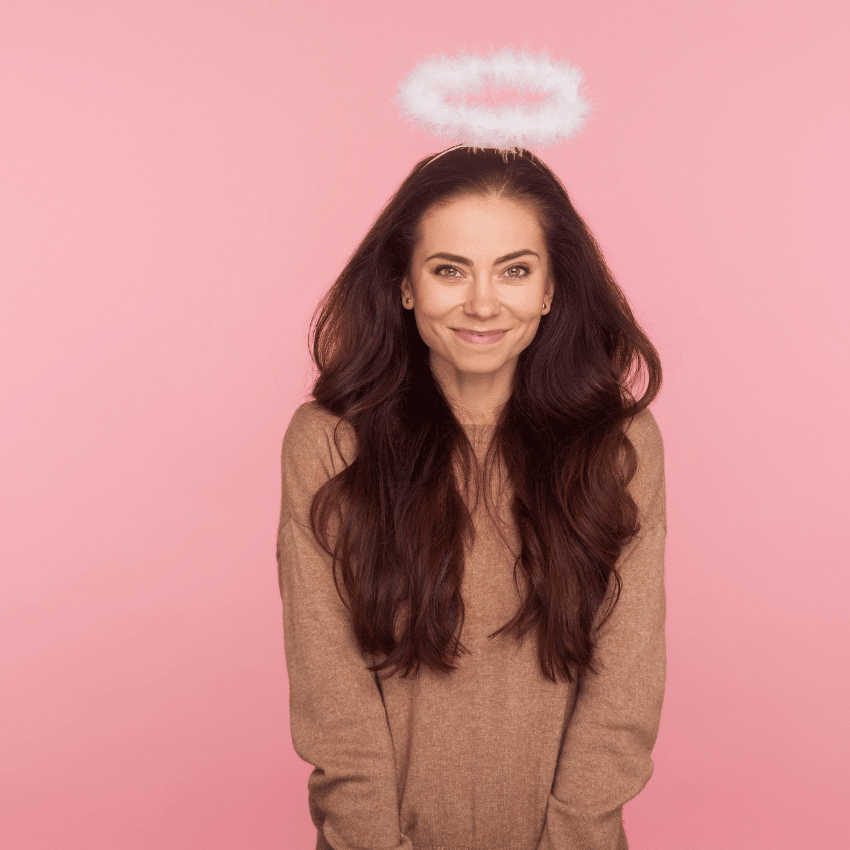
476	399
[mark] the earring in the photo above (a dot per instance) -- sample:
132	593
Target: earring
544	305
407	300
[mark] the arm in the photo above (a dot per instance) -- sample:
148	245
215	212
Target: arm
605	757
337	716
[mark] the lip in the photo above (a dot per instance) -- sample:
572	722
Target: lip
479	337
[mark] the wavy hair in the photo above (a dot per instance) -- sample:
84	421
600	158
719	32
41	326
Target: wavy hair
395	521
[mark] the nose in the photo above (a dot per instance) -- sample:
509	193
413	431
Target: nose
482	302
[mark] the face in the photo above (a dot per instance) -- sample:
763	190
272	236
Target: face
478	283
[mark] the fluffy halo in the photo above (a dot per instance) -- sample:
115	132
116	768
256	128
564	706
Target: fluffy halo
424	94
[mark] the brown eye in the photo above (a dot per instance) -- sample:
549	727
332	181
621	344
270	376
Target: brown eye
525	271
439	270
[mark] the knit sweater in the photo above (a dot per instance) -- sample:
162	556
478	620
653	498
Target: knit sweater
494	756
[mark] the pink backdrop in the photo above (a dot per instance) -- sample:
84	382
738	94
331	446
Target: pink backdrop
180	183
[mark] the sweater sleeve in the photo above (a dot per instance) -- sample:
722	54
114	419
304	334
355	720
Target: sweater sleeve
605	756
337	716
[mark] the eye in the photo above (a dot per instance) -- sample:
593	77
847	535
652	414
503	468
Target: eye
518	272
438	271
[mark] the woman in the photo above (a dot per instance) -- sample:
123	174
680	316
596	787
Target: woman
472	527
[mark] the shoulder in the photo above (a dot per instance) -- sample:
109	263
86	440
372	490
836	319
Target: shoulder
316	447
309	421
648	485
645	435
315	436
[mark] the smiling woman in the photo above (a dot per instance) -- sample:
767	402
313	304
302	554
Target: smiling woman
478	315
468	672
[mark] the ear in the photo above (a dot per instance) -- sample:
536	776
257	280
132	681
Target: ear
406	294
548	295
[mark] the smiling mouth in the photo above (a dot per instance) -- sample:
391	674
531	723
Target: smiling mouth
479	338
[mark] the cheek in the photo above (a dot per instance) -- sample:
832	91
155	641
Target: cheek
435	302
528	306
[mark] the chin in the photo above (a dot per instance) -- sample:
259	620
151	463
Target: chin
479	368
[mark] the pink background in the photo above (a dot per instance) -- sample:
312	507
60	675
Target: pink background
180	183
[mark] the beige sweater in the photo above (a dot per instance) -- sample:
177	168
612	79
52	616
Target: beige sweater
495	756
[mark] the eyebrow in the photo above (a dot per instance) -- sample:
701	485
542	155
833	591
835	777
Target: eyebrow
455	258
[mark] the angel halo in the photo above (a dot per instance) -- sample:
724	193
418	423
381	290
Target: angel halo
434	95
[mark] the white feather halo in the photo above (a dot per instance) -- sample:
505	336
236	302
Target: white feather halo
424	94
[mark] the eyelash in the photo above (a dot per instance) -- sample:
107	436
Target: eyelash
526	269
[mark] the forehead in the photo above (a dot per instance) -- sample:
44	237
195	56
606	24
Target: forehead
474	222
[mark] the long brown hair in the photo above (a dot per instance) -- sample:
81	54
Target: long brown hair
399	521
